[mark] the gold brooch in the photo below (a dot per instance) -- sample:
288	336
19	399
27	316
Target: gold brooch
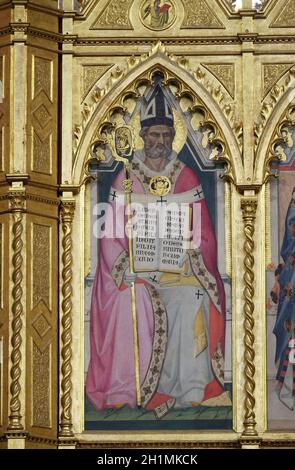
160	185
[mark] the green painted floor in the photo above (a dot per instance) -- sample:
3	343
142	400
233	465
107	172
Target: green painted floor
128	414
127	418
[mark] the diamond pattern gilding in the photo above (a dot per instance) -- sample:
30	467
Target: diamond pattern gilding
41	325
42	115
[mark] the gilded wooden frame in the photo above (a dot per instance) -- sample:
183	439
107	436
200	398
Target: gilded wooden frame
245	204
99	63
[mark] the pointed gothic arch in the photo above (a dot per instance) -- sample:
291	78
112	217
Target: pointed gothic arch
188	85
271	135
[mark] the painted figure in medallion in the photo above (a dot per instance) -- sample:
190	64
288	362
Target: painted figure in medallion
157	15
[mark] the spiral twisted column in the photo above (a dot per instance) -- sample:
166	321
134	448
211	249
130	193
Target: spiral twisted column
17	208
67	214
249	208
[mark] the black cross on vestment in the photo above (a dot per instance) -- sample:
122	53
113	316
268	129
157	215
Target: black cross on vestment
199	294
198	193
114	195
162	200
153	279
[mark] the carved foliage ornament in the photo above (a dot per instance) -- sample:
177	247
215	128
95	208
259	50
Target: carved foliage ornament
17	200
42	76
115	15
225	73
41	264
42	153
199	15
41	385
286	17
284	85
271	74
42	116
279	139
90	75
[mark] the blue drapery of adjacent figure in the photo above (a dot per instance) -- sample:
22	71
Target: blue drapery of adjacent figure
285	298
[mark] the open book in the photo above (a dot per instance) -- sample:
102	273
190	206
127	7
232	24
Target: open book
161	235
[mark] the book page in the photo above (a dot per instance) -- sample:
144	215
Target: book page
145	241
160	237
175	235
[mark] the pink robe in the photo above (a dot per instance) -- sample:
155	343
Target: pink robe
111	378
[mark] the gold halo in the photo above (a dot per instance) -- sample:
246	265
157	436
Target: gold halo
179	126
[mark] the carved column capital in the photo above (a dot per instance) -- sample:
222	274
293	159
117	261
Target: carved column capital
67	210
249	208
17	197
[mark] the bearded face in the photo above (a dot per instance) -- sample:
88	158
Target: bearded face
158	141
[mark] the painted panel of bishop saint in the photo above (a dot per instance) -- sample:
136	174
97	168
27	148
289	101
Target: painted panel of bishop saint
158	312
